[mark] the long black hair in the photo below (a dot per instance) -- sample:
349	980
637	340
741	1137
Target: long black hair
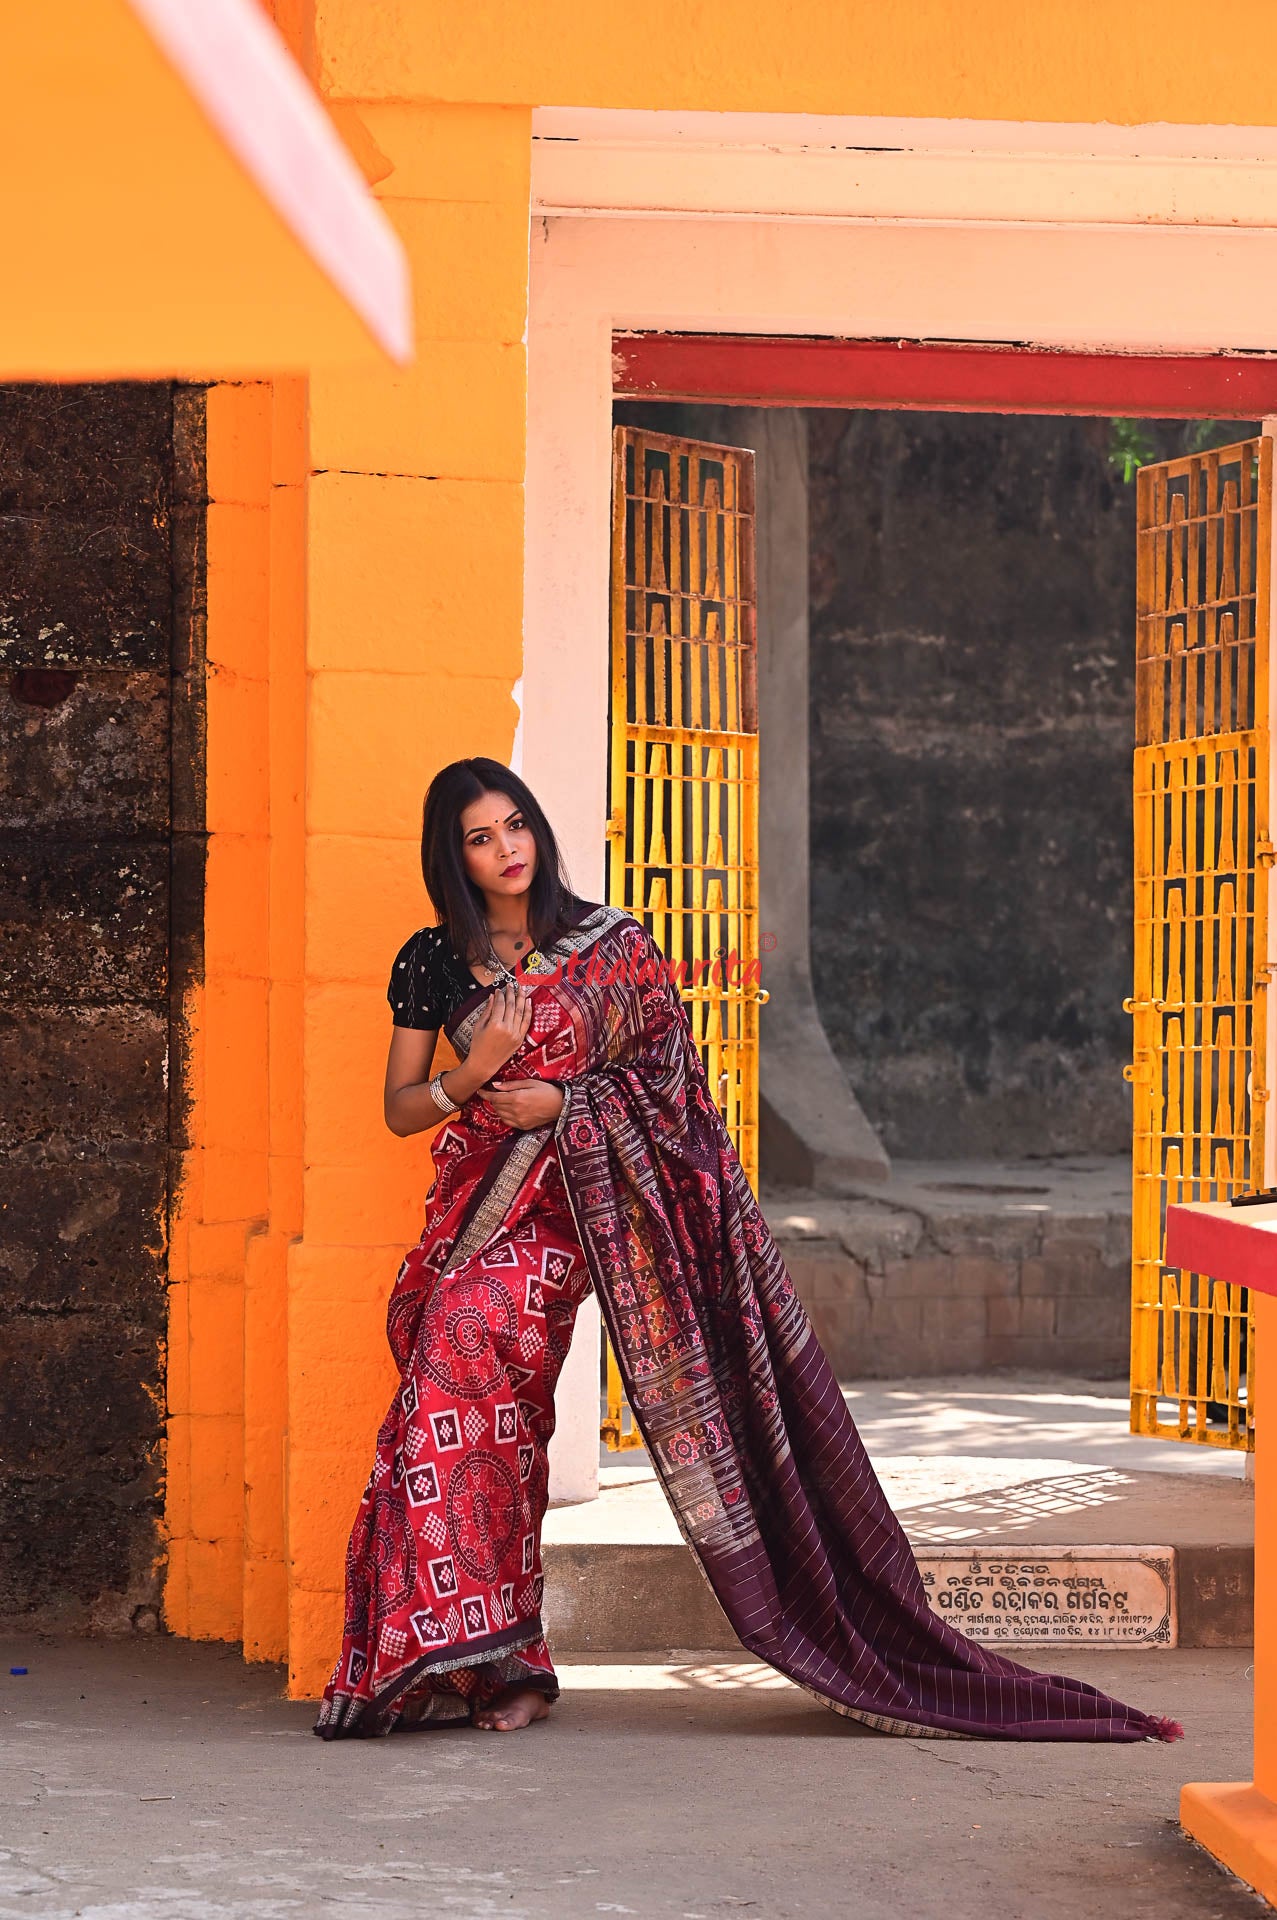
553	908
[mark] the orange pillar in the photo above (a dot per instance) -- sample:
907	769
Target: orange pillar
265	1632
1237	1821
222	1203
239	1200
414	640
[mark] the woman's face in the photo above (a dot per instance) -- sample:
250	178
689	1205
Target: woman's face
497	845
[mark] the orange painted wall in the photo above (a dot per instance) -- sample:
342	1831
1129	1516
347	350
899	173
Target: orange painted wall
415	541
191	217
1265	1595
238	1202
366	567
1144	60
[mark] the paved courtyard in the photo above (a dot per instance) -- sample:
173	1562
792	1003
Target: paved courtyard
156	1780
1020	1416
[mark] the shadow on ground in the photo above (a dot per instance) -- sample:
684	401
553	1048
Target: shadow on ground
156	1780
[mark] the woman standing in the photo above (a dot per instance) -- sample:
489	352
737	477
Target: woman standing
582	1148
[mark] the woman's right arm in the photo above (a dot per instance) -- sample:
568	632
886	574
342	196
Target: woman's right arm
407	1101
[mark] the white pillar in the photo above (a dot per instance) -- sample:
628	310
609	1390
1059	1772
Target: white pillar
574	1450
566	671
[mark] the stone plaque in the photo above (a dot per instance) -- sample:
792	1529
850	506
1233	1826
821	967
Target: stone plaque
1063	1596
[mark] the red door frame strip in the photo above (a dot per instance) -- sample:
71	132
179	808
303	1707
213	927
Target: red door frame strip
918	375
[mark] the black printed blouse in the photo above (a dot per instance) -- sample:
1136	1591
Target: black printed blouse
428	980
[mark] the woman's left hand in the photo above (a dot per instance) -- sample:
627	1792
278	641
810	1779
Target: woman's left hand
524	1103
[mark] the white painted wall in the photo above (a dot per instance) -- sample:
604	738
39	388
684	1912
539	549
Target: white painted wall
845	167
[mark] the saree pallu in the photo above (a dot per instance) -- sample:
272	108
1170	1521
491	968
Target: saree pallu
741	1413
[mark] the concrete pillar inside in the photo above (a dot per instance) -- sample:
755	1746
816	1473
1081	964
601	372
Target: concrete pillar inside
813	1133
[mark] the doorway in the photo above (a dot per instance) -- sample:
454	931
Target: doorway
1126	319
971	581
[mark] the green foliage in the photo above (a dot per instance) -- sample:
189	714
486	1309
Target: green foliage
1131	446
1201	435
1136	443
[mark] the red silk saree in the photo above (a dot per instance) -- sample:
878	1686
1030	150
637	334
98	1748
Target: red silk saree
637	1191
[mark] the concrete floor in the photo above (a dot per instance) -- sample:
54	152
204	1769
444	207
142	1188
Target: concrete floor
1010	1419
156	1780
1033	1457
1042	1416
1026	1503
1075	1185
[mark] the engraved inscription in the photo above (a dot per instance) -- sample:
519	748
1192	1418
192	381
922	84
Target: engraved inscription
1118	1596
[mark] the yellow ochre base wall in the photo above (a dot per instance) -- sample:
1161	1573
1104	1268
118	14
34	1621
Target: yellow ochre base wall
1237	1820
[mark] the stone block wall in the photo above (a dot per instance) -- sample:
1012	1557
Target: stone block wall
972	724
922	1286
101	854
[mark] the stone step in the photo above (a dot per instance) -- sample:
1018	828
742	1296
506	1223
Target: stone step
1096	1558
963	1266
648	1598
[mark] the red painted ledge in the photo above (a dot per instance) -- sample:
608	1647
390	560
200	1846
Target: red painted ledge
1235	1244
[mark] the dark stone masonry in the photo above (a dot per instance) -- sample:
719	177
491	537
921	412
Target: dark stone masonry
972	726
958	1268
101	862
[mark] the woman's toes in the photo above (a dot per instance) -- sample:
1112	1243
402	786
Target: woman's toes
507	1716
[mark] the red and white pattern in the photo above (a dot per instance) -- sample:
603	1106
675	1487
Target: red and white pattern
449	1530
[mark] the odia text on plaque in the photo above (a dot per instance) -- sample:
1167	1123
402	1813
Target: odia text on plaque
1118	1596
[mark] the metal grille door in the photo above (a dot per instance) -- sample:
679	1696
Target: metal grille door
683	728
1202	855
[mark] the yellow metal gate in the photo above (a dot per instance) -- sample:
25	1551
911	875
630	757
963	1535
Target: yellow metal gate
683	731
1202	855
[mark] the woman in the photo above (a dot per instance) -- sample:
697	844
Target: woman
582	1148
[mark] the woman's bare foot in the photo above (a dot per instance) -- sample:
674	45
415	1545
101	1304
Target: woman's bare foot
512	1707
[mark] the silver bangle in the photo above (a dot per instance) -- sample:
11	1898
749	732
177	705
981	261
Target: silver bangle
441	1097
